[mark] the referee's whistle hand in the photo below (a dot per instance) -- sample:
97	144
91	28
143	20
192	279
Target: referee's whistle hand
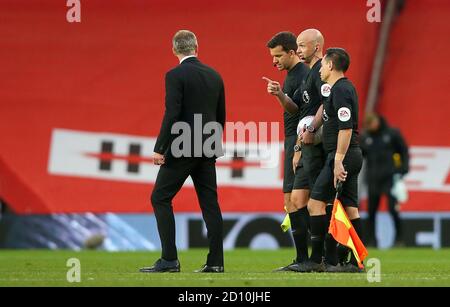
158	159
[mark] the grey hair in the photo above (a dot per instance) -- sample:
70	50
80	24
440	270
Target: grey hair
184	42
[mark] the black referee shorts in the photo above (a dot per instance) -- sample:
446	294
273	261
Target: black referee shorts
324	187
310	166
288	174
301	181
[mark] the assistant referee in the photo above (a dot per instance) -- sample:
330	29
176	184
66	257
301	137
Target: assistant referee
343	162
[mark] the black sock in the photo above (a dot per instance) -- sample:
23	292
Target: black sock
358	228
330	242
308	220
343	252
305	216
318	230
329	211
299	228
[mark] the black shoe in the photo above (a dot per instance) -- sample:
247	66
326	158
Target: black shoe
300	267
329	268
309	266
162	266
210	269
289	268
351	268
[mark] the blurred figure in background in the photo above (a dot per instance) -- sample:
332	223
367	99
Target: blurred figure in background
387	160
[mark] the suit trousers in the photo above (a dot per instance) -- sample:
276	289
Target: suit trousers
169	181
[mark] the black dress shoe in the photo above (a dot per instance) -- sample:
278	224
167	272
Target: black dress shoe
210	269
162	266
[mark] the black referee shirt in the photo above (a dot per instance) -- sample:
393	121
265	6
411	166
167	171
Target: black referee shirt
313	92
291	87
340	113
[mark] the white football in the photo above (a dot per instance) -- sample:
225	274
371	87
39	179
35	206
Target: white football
306	121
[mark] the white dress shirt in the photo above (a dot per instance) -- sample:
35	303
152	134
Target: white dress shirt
187	57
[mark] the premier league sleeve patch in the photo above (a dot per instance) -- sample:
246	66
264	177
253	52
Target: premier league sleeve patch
344	114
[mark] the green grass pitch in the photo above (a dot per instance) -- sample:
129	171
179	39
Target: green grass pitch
244	268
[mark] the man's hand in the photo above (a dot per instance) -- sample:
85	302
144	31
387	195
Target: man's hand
273	87
296	160
339	172
307	137
158	159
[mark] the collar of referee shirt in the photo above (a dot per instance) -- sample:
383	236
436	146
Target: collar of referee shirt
187	57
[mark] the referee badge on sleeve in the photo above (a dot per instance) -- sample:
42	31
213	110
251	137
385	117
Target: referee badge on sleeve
344	114
325	90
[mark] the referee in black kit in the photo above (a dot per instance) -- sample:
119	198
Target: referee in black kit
194	92
308	158
343	162
283	47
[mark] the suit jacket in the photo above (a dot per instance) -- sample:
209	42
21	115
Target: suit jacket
191	88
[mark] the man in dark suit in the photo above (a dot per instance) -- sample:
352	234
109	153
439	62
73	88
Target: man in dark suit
195	101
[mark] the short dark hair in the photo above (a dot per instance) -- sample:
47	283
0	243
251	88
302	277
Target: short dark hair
287	40
339	57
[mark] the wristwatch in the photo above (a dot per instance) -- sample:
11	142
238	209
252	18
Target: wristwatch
311	128
297	148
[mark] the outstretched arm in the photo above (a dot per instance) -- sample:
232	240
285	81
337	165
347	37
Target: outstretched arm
274	88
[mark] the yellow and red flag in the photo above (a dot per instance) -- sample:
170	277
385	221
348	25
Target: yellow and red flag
343	232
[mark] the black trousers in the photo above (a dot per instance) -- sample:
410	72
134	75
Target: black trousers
169	181
376	189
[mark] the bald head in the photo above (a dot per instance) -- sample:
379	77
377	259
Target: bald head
312	36
310	45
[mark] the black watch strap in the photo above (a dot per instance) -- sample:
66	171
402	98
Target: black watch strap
311	128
